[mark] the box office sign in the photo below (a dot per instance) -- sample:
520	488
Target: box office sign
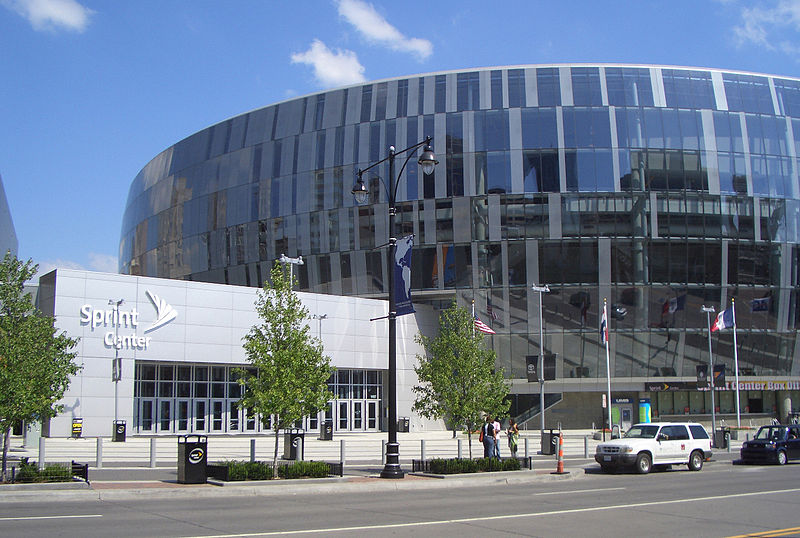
122	325
768	384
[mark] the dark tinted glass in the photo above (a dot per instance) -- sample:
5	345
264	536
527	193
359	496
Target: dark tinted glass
586	86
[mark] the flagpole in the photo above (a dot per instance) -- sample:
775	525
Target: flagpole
473	317
736	366
608	367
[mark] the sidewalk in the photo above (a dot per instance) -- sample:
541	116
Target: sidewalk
127	470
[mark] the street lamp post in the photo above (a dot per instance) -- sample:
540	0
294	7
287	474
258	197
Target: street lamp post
116	369
292	262
541	290
709	310
427	161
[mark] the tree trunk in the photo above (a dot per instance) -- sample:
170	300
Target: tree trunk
454	433
6	439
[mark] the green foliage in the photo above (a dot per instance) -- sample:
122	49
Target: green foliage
30	472
258	470
304	469
36	361
458	466
292	371
458	380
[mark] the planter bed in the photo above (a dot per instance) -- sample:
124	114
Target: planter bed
238	471
465	465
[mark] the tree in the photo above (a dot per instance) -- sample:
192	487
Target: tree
36	361
291	379
458	380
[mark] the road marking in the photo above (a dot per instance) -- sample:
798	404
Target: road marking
34	518
770	534
576	491
509	516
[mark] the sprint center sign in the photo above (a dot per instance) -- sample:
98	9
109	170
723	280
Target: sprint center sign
122	326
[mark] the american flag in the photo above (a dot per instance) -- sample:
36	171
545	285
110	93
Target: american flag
482	327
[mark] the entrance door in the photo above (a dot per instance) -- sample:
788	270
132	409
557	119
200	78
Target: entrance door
343	418
358	415
233	416
164	416
146	415
217	415
182	419
200	418
372	415
250	422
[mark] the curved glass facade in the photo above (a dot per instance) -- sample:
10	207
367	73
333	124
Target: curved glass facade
658	188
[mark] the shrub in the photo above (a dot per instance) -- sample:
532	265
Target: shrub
30	472
247	470
304	469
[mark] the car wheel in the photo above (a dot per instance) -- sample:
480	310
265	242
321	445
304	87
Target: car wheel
643	463
780	457
696	461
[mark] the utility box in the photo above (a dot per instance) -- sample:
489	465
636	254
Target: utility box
403	424
326	431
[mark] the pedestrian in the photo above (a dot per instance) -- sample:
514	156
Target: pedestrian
498	428
513	437
487	436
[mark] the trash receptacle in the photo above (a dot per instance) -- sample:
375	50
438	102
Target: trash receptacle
293	443
192	458
326	431
118	434
549	440
403	425
721	438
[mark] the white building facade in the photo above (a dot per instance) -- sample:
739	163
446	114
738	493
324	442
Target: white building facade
180	342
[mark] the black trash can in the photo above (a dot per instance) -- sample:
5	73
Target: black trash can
403	424
118	435
293	443
192	458
549	440
721	437
326	431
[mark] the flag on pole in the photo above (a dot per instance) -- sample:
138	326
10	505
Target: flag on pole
604	326
482	327
759	305
724	320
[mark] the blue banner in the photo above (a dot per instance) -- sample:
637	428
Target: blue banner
402	276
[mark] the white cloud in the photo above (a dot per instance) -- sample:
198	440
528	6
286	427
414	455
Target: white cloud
331	68
377	29
105	263
52	14
773	27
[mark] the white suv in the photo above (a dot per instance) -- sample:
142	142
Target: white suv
659	444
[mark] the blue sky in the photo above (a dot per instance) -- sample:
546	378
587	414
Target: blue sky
93	89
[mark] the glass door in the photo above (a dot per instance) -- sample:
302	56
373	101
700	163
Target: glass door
164	416
200	419
358	415
146	415
182	419
217	415
372	415
250	422
343	418
233	416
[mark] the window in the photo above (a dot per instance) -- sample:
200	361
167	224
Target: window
586	86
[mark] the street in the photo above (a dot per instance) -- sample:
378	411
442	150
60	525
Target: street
720	500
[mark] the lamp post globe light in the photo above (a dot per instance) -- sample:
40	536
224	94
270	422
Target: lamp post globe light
116	369
427	160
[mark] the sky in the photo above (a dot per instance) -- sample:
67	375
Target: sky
91	90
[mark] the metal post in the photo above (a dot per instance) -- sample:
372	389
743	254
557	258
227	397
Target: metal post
342	456
422	449
586	446
460	450
527	453
540	367
98	462
252	450
152	452
708	310
116	369
41	452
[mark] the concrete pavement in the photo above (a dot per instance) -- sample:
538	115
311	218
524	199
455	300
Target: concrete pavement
127	469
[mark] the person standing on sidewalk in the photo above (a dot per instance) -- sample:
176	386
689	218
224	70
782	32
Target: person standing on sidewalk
488	437
498	428
513	437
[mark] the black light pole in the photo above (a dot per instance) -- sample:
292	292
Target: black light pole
428	161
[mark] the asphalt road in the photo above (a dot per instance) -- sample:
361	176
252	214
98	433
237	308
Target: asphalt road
720	500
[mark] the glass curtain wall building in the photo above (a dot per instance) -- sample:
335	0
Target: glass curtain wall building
660	189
